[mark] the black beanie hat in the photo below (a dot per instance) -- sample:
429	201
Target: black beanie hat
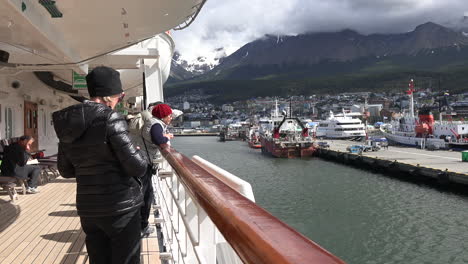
103	81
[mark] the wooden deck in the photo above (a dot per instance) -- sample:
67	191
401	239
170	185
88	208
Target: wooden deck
44	228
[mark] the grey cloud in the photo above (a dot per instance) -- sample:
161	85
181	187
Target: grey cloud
382	4
232	23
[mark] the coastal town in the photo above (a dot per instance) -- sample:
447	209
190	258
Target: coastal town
200	114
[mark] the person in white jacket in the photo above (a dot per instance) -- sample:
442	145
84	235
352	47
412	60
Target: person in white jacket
140	129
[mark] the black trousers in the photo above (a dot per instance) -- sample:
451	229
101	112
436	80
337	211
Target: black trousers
113	239
148	196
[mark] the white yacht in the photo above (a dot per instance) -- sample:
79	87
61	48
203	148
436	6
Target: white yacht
341	126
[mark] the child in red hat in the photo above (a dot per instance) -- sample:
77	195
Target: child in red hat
163	114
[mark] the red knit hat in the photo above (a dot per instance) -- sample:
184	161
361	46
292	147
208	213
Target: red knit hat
161	110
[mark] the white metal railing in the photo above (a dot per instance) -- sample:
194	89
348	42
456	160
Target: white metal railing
188	234
195	207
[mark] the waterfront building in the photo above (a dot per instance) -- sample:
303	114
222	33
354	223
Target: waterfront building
186	105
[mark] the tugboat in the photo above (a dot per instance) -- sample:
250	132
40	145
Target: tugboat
254	138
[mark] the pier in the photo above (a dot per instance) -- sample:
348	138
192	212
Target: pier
441	165
197	134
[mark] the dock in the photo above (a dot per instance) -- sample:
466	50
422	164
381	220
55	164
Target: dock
199	134
442	165
45	228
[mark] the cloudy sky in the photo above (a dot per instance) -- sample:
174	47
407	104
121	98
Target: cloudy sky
233	23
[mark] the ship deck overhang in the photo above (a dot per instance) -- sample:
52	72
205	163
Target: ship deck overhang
87	29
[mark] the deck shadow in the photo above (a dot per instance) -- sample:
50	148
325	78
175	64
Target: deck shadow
8	214
62	180
71	204
65	213
62	236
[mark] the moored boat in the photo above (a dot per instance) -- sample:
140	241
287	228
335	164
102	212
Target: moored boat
424	132
414	131
230	132
289	139
341	126
255	144
254	138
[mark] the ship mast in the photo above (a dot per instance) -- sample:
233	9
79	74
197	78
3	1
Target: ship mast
410	92
411	105
365	114
276	108
290	107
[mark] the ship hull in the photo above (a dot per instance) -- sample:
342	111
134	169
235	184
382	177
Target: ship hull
342	137
287	150
458	146
415	141
255	145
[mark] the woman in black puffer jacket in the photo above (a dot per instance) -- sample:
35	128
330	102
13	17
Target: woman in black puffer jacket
95	148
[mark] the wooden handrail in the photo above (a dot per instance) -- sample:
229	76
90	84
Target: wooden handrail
257	236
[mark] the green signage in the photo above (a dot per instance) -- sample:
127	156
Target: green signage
79	81
120	108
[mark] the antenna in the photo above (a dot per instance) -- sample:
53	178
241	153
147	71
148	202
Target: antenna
290	108
410	93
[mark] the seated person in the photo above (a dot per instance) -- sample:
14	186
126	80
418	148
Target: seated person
15	157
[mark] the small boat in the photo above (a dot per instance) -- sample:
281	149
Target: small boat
254	138
230	132
255	144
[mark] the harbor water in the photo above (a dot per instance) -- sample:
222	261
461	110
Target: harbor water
357	215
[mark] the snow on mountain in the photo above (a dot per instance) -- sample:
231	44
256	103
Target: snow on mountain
201	64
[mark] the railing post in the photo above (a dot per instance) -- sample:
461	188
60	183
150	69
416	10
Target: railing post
191	219
164	200
225	253
175	218
206	237
181	216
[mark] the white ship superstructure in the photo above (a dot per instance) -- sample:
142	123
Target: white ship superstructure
451	130
46	49
341	126
267	124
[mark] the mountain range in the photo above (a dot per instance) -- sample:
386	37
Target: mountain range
429	47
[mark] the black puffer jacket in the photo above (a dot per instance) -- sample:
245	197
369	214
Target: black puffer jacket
96	149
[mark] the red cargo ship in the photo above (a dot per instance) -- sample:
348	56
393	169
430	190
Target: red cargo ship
289	139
